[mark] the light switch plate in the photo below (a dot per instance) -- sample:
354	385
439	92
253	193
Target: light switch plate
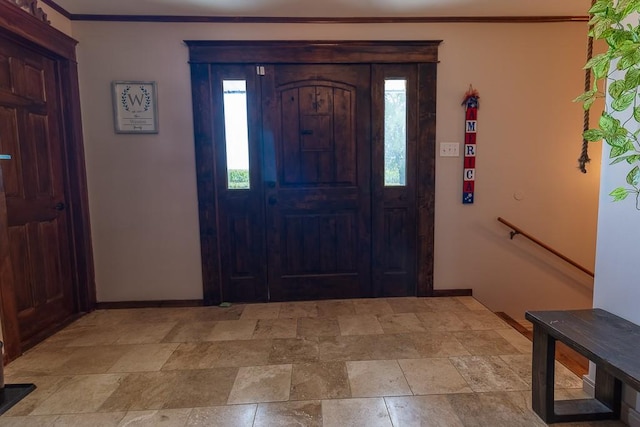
449	149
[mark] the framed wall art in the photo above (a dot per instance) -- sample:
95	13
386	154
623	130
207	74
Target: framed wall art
135	107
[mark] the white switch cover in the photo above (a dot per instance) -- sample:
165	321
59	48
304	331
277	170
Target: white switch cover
449	149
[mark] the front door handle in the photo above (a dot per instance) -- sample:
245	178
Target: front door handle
59	206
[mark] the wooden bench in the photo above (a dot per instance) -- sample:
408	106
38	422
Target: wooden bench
609	341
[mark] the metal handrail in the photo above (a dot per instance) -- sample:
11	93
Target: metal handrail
516	230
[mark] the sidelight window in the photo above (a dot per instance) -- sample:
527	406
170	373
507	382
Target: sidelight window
395	132
236	134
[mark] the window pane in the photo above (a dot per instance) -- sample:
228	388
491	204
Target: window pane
395	132
236	133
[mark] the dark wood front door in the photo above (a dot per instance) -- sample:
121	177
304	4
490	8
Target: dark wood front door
317	195
38	234
323	204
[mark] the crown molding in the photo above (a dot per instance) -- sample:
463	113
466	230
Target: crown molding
315	20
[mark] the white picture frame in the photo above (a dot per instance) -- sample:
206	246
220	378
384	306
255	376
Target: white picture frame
135	106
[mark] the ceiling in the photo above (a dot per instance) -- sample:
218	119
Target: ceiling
329	8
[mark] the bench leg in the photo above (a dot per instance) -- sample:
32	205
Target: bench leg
608	390
543	374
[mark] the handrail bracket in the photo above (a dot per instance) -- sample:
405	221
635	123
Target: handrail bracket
513	234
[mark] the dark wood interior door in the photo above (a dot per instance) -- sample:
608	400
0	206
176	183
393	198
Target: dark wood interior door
38	235
317	166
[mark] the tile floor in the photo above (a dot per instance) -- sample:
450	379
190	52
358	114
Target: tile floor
365	362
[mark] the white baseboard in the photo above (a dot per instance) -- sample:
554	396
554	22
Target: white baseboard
630	416
588	385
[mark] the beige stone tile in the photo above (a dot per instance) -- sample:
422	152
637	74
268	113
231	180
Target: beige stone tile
433	376
144	333
209	314
144	357
363	324
153	315
422	411
406	305
172	389
372	306
521	364
444	304
302	413
488	373
109	419
471	303
164	418
437	344
256	384
335	308
442	321
571	394
497	409
261	311
354	347
377	378
45	387
90	360
481	320
485	343
322	380
294	350
32	421
291	310
96	336
318	327
219	354
223	416
82	394
276	328
400	323
190	332
231	330
387	347
516	339
366	347
371	412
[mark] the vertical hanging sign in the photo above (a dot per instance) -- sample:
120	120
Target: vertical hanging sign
471	105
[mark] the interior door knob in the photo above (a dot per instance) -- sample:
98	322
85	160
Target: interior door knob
59	206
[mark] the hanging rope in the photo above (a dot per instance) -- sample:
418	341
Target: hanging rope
584	154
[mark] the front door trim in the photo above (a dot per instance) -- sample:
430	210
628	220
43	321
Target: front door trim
204	54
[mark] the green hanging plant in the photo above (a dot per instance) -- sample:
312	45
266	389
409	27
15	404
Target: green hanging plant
622	136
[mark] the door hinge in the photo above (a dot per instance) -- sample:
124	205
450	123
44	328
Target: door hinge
260	70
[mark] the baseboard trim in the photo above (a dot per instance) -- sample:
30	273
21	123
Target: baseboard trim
630	416
588	386
451	293
515	324
148	304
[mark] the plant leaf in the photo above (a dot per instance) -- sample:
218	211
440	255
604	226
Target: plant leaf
617	151
616	88
636	114
632	79
593	135
608	123
619	194
623	102
633	177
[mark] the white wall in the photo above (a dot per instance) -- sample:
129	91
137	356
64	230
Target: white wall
142	189
616	283
58	21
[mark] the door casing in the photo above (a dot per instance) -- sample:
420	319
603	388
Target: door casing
205	56
24	30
